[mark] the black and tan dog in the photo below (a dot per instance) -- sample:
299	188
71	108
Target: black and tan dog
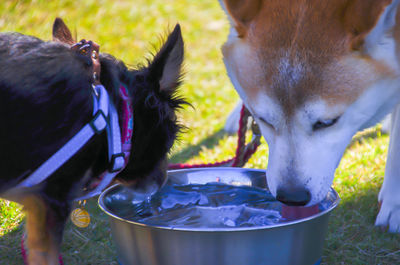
46	98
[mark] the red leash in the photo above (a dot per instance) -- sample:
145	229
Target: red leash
243	151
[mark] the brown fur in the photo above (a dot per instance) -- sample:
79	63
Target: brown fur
61	32
361	16
243	11
42	243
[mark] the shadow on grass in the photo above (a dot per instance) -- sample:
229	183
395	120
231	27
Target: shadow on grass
369	134
90	246
193	150
352	237
10	248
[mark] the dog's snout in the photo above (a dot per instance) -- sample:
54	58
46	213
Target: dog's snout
151	182
293	196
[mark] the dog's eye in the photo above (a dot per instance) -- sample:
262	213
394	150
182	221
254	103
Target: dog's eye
324	124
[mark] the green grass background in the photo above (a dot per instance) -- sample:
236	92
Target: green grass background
130	30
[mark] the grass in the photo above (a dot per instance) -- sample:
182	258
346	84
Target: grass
128	29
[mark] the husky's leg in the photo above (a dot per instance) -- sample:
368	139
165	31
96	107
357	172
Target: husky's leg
386	124
232	122
389	195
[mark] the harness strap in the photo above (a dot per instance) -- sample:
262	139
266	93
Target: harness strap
102	108
115	156
118	158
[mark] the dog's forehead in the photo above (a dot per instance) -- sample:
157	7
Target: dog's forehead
293	80
300	55
313	25
293	83
294	50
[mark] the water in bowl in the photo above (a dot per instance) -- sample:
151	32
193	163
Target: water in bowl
213	205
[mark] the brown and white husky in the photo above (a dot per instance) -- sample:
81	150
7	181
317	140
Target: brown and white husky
313	73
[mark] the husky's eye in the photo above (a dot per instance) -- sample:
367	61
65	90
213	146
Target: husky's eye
324	124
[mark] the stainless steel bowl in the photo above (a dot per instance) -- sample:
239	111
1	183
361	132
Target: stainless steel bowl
296	242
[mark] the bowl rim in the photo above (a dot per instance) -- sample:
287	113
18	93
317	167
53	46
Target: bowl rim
103	207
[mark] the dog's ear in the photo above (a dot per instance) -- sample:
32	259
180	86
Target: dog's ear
61	33
167	64
367	21
241	13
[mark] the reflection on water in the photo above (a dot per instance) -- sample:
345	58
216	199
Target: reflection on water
213	205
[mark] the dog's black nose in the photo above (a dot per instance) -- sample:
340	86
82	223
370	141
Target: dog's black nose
293	196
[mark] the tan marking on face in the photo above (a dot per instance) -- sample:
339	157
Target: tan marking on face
345	79
243	12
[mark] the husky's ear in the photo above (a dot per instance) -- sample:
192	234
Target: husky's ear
61	33
368	21
241	13
167	64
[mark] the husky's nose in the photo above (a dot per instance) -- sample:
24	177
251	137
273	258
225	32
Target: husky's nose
293	196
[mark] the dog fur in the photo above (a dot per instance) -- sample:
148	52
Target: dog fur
313	73
46	98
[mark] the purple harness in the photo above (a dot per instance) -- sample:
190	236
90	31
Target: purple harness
105	117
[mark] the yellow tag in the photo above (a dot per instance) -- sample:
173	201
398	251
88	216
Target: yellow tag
80	217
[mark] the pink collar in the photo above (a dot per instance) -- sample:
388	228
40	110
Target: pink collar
127	122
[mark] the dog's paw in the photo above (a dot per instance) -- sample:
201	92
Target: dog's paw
389	216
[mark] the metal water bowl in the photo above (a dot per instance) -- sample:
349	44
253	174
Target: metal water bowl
294	242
